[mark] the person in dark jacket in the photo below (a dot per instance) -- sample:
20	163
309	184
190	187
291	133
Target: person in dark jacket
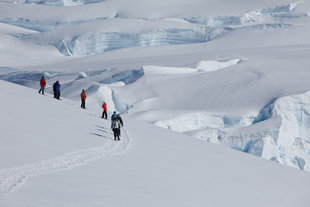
54	89
42	84
120	119
116	127
58	89
83	99
104	113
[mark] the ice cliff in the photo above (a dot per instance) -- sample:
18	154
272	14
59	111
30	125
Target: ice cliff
280	132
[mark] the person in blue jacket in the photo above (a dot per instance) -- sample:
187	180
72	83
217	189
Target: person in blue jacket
58	89
114	116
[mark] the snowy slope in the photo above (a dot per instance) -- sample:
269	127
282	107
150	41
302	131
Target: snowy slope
222	67
182	73
63	155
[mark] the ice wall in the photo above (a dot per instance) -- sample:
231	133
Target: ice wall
293	141
280	132
269	15
101	42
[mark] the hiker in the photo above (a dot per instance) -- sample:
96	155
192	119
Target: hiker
83	98
120	119
116	127
54	89
114	116
104	113
42	84
57	87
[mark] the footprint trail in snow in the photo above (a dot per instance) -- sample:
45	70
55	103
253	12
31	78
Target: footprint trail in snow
12	178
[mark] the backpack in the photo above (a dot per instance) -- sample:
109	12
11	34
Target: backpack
114	116
116	124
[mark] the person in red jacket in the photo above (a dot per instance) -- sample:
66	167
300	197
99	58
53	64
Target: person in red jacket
42	84
83	98
104	113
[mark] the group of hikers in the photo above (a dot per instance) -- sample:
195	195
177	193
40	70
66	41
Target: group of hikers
116	125
56	87
116	119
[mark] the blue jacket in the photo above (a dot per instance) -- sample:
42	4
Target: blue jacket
58	87
113	117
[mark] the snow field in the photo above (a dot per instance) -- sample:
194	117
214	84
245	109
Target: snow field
159	167
15	177
69	150
234	73
213	127
106	33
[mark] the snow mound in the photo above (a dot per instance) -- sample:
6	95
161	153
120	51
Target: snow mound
96	94
81	75
104	93
217	65
168	70
200	120
203	66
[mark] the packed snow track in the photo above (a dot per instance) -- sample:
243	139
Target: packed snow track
15	177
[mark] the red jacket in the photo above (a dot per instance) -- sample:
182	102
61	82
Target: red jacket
83	96
104	106
42	82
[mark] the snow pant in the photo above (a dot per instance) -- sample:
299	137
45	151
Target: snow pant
117	133
104	115
42	89
55	94
58	95
83	103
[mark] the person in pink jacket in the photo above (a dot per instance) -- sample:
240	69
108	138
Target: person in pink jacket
104	113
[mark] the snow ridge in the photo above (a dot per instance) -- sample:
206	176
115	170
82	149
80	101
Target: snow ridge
15	177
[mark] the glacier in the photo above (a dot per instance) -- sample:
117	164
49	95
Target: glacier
280	132
82	165
99	43
200	29
214	95
213	27
105	54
